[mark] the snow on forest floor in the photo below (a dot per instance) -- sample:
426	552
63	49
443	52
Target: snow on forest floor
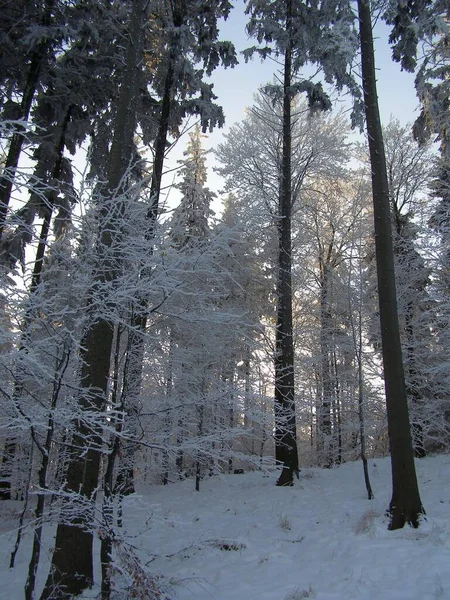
243	538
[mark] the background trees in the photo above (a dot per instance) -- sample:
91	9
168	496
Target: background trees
145	340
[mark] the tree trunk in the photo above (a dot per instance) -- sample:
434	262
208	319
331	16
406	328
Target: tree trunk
72	563
405	505
109	493
412	391
15	146
362	432
198	464
358	348
6	470
285	426
337	407
45	450
325	429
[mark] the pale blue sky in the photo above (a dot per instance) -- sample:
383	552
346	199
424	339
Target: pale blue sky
236	87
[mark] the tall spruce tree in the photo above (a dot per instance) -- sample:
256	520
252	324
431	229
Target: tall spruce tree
190	220
63	115
72	563
191	34
405	505
427	22
299	33
34	33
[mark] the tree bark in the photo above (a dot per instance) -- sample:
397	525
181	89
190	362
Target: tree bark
42	474
405	505
325	429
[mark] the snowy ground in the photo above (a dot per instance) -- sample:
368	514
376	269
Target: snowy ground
242	538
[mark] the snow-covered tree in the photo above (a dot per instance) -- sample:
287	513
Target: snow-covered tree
330	214
409	173
30	34
72	561
251	162
190	219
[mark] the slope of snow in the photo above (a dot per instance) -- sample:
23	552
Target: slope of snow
242	538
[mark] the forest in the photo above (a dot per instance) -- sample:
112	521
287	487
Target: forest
148	341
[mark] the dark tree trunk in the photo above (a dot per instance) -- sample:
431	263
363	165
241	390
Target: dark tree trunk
285	426
6	471
168	420
358	344
412	390
72	563
337	407
406	505
362	430
50	200
16	143
109	492
198	464
180	454
106	543
231	424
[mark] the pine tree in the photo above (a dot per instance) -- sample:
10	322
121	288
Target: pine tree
72	562
190	220
35	39
405	506
299	33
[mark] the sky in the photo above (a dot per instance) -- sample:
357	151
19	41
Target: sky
236	87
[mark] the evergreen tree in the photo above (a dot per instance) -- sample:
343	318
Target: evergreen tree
408	175
190	220
190	37
72	562
428	23
299	33
34	33
405	506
